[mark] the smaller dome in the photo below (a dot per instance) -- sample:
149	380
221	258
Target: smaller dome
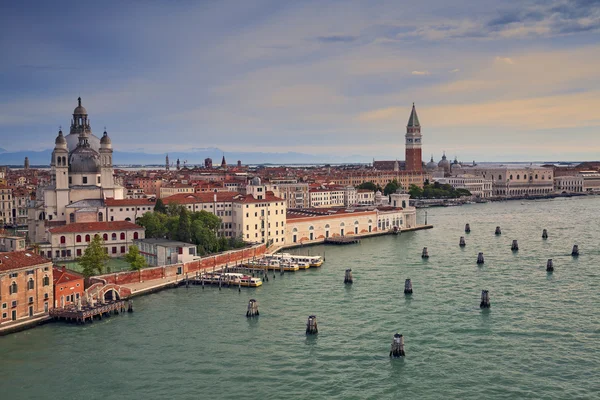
105	139
79	110
60	140
255	181
84	160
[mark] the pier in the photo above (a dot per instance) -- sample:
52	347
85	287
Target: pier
83	314
341	240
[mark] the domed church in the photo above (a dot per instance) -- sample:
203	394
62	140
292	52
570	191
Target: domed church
82	178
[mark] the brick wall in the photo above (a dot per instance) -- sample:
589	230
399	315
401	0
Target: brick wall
169	271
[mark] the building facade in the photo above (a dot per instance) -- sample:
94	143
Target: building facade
477	185
514	181
25	287
68	287
159	252
69	242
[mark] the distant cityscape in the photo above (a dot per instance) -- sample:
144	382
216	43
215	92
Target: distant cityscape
52	214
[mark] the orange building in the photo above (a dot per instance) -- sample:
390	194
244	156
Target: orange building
25	286
68	286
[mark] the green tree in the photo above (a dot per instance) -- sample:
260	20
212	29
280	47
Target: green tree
415	191
391	187
160	206
368	186
184	227
135	259
94	258
154	224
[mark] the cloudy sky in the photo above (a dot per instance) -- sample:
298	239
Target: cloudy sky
492	80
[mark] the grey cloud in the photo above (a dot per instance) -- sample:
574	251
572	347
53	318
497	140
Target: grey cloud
336	39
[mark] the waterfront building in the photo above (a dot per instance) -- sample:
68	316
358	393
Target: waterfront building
568	184
591	181
315	225
327	197
68	287
159	252
381	178
477	185
514	180
25	287
296	194
244	216
69	242
81	169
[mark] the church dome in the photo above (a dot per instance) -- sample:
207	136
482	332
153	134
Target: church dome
105	139
60	140
444	163
255	181
431	165
84	159
79	110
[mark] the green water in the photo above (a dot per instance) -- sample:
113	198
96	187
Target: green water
540	339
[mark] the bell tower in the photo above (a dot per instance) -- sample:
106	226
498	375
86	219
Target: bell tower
413	157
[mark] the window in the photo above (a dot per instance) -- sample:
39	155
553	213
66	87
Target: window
122	235
85	180
13	288
78	252
122	249
87	238
63	240
45	295
114	250
105	237
30	284
3	305
78	238
136	235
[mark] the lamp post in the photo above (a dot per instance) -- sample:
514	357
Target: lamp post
425	217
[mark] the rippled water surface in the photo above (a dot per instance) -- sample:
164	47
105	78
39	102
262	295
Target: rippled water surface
540	339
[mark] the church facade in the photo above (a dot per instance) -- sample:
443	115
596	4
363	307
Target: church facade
82	178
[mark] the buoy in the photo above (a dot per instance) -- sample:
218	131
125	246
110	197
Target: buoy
467	228
485	299
514	246
425	254
544	234
252	309
348	276
498	231
397	346
311	325
407	287
480	259
461	242
575	251
549	266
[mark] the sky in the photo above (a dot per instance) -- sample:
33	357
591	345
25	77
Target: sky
491	80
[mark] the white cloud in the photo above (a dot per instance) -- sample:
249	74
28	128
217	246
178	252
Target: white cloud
424	72
505	60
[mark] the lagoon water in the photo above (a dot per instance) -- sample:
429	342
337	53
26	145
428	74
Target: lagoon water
540	339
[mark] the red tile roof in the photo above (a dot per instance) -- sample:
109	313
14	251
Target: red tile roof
110	202
63	275
96	227
200	197
20	259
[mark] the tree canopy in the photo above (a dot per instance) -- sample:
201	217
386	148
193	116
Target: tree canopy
159	206
391	187
198	227
369	186
135	259
95	258
437	191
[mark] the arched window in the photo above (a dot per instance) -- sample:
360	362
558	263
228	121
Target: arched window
13	288
311	228
63	240
295	230
100	217
87	238
114	236
136	235
499	177
96	236
525	176
30	284
518	177
46	281
342	224
536	176
511	177
355	222
327	226
72	218
105	237
122	235
128	219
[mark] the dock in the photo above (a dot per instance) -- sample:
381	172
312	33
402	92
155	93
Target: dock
89	313
341	240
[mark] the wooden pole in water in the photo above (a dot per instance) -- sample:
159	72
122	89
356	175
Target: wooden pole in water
467	228
480	259
408	287
544	234
348	276
461	242
575	251
252	309
549	266
311	325
498	231
425	253
397	346
514	246
485	299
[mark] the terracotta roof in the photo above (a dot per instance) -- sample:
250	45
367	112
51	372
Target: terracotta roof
269	197
200	197
96	227
63	275
110	202
20	259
